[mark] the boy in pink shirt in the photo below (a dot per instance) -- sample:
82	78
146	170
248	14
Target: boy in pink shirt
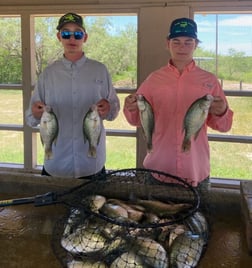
170	91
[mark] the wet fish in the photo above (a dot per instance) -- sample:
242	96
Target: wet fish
179	229
194	120
147	120
152	253
85	239
92	127
94	202
128	260
197	223
186	250
48	130
114	211
86	264
133	213
162	209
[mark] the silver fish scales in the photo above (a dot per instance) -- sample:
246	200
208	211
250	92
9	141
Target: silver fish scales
92	127
194	120
147	120
48	130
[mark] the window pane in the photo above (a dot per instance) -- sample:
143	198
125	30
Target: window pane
12	149
226	40
121	152
231	160
242	107
120	122
10	51
11	107
112	40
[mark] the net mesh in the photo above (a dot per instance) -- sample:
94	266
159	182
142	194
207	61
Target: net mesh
130	218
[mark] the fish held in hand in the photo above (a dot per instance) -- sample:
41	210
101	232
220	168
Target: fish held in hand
48	130
92	127
147	120
194	120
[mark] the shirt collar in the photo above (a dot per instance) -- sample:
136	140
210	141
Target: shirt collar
189	67
77	63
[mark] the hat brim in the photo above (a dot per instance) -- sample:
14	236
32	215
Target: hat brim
182	34
63	24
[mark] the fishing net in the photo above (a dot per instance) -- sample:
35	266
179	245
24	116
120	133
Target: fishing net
130	218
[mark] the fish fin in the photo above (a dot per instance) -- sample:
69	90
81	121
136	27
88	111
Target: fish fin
186	145
197	134
92	151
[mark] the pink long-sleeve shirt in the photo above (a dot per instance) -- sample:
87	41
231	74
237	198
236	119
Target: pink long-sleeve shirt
170	95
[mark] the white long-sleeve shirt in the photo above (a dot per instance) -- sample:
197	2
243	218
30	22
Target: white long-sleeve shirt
70	89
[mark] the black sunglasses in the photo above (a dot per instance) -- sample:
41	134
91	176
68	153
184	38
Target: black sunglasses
77	34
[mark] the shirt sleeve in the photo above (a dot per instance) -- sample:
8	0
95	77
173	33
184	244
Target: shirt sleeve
36	96
221	123
224	122
113	100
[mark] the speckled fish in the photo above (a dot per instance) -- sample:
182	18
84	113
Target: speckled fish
198	224
48	130
94	202
194	120
92	127
86	264
85	239
186	250
128	260
152	253
147	119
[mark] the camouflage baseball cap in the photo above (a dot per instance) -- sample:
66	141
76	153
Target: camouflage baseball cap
70	18
183	27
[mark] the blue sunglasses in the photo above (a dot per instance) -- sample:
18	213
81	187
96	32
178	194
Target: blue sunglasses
67	34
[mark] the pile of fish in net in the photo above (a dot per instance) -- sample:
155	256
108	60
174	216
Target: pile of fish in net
126	220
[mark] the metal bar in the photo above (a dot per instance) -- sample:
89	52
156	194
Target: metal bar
230	138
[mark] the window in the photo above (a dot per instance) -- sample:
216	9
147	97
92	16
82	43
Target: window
226	50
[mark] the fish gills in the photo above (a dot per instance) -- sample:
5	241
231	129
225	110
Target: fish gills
48	130
147	120
92	127
194	120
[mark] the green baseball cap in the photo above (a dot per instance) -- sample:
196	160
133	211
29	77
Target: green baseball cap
183	27
70	18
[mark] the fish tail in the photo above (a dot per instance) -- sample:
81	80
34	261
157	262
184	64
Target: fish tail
92	152
186	145
48	154
149	147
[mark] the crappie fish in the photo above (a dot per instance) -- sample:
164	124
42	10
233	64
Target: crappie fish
94	202
128	260
48	130
194	120
198	224
147	120
114	211
162	209
86	264
186	250
92	127
85	239
133	213
152	253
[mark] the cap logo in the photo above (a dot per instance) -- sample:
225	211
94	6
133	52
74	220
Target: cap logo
69	17
183	24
